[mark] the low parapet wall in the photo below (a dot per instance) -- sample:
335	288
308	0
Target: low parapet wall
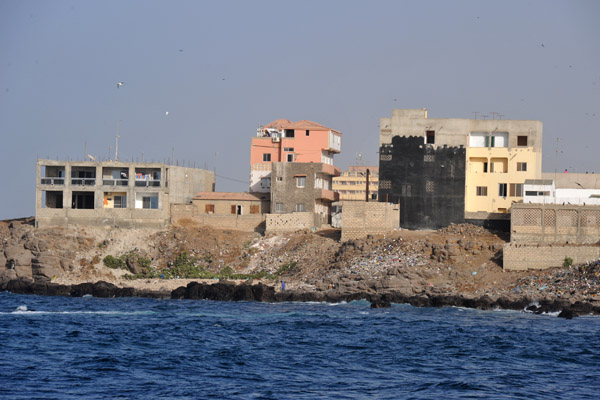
291	222
524	256
247	223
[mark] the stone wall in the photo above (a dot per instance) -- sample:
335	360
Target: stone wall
360	219
552	223
521	257
181	213
291	222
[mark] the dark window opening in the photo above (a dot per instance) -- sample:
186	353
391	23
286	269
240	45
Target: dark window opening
290	158
522	166
430	137
307	133
502	189
239	210
150	202
209	208
485	167
266	157
521	140
52	199
289	133
82	200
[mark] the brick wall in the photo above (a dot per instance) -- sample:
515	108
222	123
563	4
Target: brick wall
553	223
523	256
277	223
360	219
246	223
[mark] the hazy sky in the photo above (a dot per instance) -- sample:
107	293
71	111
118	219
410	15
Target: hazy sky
221	68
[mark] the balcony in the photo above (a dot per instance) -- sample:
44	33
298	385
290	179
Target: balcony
331	170
329	195
147	177
115	182
115	176
52	180
83	181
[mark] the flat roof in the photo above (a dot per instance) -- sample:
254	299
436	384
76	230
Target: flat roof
226	196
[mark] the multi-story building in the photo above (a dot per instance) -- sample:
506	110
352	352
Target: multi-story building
114	193
285	141
446	170
303	187
352	184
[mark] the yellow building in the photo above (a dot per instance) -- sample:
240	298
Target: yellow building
498	163
352	184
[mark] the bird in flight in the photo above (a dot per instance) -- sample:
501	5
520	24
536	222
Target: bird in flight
120	84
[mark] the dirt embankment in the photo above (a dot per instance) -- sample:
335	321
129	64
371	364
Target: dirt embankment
461	260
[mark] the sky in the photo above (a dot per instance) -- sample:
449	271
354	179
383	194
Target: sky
222	68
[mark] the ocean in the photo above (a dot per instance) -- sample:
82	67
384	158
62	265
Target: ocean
134	348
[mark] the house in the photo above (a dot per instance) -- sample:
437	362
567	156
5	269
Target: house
113	192
226	203
563	188
352	184
303	187
285	141
451	170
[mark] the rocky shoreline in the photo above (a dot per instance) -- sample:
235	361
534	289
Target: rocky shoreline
231	291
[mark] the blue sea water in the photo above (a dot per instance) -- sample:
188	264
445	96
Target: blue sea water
73	348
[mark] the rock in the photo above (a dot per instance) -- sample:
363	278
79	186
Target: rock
3	260
567	314
452	249
46	266
133	266
18	255
23	271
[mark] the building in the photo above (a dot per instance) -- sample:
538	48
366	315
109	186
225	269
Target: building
352	184
114	193
448	170
303	187
563	188
285	141
225	203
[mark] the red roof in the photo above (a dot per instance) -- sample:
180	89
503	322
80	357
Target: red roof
300	125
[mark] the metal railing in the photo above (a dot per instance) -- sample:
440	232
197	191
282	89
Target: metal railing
147	183
83	181
49	180
115	182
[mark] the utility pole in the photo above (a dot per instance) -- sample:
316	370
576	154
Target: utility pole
367	191
117	143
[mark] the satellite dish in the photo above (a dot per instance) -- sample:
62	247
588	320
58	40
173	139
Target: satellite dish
91	157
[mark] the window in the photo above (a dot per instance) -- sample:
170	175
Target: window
299	207
521	140
300	181
478	139
121	202
516	190
265	182
254	209
209	208
289	133
500	139
288	149
521	166
150	202
429	186
236	209
485	167
266	157
290	158
429	137
307	133
502	189
481	190
279	207
280	179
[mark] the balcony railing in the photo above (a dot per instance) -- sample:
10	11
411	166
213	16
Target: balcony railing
115	182
83	181
49	180
148	183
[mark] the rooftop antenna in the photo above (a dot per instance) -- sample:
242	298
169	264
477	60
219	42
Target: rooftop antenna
359	158
117	143
475	113
500	116
493	113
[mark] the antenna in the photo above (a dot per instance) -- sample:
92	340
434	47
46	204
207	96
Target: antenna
117	143
359	158
475	113
493	113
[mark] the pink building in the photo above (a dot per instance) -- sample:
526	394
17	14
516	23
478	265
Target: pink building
285	141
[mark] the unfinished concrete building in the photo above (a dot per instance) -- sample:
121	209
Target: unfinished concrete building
445	170
114	193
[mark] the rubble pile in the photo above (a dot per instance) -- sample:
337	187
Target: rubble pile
464	229
580	280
